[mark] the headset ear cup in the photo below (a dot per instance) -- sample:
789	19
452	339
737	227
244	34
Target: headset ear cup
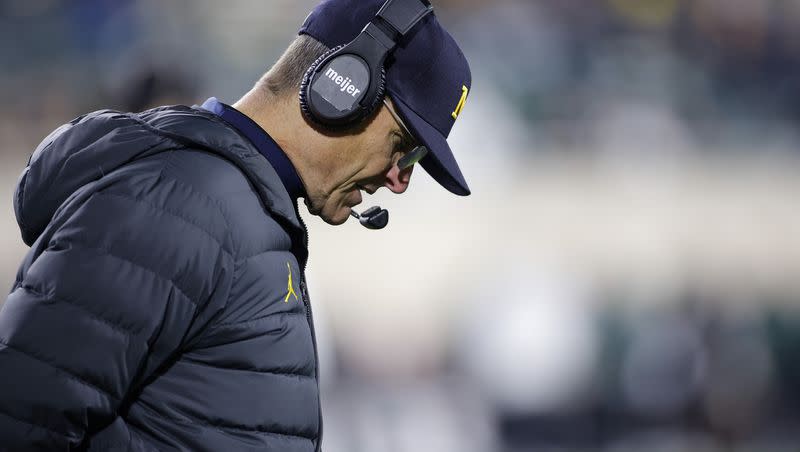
307	80
380	92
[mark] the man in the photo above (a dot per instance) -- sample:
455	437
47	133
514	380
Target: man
163	303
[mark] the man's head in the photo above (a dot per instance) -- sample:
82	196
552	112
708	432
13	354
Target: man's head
423	100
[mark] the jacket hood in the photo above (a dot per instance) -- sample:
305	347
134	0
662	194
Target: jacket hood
93	145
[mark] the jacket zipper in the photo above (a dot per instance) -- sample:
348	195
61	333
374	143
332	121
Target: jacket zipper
310	318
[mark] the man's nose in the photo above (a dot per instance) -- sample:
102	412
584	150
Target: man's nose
397	180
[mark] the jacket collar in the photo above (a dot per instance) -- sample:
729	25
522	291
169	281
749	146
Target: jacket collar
263	142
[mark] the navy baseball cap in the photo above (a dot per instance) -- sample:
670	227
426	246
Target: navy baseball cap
427	78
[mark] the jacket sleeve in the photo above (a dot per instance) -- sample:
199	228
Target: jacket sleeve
101	302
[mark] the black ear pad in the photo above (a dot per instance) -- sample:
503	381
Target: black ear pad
360	111
379	94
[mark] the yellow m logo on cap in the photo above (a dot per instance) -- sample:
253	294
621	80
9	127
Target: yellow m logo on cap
460	106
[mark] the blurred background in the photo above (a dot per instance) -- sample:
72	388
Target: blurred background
626	274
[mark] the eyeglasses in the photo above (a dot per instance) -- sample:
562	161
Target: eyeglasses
413	156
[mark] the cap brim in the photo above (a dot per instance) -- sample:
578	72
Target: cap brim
440	162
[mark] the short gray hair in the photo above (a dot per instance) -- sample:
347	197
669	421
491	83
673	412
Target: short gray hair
285	76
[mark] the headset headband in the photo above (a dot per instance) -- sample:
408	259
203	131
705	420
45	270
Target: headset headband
402	15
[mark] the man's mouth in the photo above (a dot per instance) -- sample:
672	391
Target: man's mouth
365	189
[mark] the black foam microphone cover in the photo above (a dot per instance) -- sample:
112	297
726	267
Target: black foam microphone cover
374	218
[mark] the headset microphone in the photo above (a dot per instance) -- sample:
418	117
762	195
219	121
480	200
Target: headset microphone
372	218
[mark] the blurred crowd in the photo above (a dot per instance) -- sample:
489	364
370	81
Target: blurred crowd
726	70
625	276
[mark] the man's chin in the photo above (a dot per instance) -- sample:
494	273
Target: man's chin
335	218
334	221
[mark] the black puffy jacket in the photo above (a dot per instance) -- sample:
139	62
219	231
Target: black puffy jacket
162	305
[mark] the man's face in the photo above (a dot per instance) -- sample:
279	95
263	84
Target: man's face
366	162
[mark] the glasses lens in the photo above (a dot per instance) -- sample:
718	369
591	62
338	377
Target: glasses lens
412	157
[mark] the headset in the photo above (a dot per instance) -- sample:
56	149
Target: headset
347	83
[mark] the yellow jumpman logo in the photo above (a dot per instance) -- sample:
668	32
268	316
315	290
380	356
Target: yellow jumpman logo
291	286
